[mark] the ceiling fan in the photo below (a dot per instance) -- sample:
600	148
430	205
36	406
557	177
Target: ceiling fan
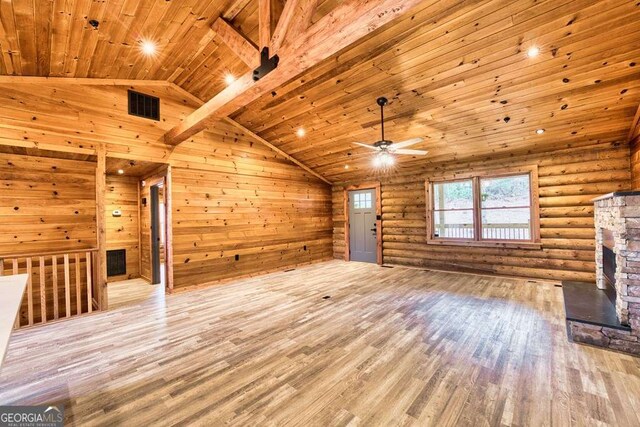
385	148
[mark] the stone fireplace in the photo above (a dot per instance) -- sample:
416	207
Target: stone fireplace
614	320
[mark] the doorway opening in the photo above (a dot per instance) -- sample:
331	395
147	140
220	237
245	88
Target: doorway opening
137	231
363	223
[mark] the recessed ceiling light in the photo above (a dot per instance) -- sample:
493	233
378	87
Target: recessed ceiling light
229	79
533	52
346	166
301	132
540	131
120	172
148	47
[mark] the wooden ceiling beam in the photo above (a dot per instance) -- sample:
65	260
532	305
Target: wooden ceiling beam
304	13
264	23
290	8
341	28
197	101
238	43
289	28
235	8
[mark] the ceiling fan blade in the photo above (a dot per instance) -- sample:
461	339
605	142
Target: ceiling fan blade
412	152
407	143
370	147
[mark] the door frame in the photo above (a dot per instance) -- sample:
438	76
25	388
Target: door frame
366	186
162	174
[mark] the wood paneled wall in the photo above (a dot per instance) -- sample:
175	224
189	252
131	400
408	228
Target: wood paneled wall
568	180
231	195
268	223
46	204
123	232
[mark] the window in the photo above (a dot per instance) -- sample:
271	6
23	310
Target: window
484	208
362	201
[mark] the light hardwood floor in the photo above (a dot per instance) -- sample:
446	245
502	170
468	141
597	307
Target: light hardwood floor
134	291
390	347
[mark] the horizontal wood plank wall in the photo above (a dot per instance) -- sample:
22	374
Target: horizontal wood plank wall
46	204
568	180
122	232
268	223
232	195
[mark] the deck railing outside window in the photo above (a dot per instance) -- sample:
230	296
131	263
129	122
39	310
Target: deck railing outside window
489	231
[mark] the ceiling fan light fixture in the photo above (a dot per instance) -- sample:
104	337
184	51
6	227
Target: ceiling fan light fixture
383	159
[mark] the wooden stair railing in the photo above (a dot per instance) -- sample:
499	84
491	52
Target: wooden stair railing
60	284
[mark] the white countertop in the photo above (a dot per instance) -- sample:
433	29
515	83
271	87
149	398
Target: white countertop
11	291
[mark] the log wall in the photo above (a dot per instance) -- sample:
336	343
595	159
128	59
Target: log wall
232	195
122	232
568	180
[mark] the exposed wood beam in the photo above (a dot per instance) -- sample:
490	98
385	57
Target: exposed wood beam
235	8
276	149
238	43
304	12
264	23
197	101
290	8
342	27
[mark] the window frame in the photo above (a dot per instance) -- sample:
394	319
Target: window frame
475	177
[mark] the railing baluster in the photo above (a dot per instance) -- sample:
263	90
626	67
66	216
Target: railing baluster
29	291
54	271
78	289
43	292
67	285
89	296
14	267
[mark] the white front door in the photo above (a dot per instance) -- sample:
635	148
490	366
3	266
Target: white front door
362	225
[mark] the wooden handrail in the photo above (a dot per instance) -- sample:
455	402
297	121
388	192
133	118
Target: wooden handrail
39	254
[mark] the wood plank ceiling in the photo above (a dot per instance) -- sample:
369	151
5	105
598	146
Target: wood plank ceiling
456	72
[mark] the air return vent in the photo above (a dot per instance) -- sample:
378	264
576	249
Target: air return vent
116	262
142	105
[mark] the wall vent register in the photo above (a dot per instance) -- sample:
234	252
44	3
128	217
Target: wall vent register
145	106
116	262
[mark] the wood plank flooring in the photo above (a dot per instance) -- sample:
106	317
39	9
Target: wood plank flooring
134	291
390	347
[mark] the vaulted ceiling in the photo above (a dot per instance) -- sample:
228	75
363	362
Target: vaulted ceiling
456	72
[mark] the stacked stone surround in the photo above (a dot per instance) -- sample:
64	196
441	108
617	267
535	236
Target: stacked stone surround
620	214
